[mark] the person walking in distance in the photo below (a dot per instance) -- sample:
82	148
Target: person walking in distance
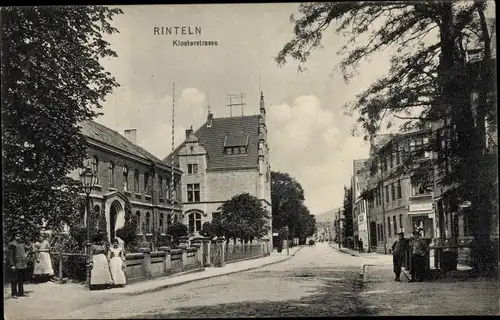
399	248
17	264
419	252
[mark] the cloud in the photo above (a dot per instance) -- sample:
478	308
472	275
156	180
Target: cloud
306	141
152	117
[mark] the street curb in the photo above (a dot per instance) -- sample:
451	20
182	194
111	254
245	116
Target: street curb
170	285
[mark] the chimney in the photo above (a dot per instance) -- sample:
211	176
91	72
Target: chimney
189	132
131	135
210	116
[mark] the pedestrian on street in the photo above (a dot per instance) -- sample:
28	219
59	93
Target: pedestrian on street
100	276
360	245
419	252
17	264
399	248
42	270
117	263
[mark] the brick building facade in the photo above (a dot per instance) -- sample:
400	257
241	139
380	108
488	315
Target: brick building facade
125	172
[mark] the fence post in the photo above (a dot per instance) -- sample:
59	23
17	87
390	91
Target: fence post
60	266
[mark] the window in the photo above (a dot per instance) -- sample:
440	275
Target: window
391	163
401	221
125	178
167	188
384	164
418	189
139	225
194	222
193	192
389	231
148	222
395	225
192	168
169	221
160	223
95	169
136	181
386	193
146	183
235	150
160	184
111	173
176	218
398	189
393	191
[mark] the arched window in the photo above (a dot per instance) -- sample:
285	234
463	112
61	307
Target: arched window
148	222
401	221
95	169
194	222
146	183
111	174
136	181
160	223
160	184
125	178
96	216
139	224
175	218
169	221
389	231
395	223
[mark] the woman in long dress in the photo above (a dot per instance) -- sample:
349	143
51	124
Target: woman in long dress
42	270
117	264
100	277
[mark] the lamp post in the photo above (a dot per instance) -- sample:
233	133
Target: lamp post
87	180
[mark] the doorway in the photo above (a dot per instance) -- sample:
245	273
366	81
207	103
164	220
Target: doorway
113	214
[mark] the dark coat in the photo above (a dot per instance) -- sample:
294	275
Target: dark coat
16	255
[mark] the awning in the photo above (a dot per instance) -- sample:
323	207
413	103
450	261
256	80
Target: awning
425	213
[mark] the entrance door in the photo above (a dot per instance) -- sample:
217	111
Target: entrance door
373	234
112	221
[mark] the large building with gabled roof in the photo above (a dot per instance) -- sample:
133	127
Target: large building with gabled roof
128	175
223	158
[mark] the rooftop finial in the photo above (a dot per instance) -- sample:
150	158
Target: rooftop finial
261	95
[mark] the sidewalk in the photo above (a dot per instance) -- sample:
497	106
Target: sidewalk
51	298
385	297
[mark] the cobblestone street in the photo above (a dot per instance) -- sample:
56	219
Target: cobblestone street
317	281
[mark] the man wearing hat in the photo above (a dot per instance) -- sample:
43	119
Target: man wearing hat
419	251
399	248
17	263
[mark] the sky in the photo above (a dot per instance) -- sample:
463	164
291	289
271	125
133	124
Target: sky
309	135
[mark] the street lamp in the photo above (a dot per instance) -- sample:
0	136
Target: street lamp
87	180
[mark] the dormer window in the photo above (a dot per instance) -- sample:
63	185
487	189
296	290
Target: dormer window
236	144
235	150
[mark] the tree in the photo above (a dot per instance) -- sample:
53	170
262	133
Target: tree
52	80
207	230
244	217
428	78
128	233
177	230
348	230
286	195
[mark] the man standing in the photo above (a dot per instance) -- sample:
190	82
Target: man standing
399	248
360	245
419	252
16	262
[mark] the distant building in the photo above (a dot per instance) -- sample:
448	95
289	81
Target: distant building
221	159
126	173
395	203
360	205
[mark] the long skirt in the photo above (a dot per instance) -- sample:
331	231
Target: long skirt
44	266
116	267
100	275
